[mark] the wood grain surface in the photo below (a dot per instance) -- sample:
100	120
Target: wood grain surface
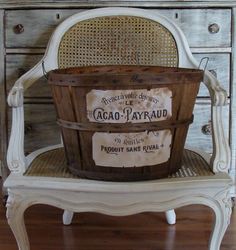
38	25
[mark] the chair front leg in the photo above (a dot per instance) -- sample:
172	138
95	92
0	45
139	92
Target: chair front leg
222	209
15	218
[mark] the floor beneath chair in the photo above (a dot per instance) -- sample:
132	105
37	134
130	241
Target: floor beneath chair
91	231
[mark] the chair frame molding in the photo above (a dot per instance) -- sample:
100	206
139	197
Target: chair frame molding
119	199
78	195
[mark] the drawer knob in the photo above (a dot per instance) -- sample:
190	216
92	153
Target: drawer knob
214	28
206	129
19	28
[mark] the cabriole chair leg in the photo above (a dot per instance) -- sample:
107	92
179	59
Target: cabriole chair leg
15	219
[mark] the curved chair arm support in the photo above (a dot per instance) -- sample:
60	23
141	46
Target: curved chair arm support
15	155
220	161
221	157
217	93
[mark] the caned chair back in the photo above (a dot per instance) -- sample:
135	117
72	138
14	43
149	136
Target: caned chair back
117	40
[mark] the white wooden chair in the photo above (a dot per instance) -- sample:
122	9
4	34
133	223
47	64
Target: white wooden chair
142	38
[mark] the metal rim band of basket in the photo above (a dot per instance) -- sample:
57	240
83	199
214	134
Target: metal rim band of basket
120	127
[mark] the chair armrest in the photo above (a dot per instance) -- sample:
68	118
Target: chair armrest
221	157
217	93
15	154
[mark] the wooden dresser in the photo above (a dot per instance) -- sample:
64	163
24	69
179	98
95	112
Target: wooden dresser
25	27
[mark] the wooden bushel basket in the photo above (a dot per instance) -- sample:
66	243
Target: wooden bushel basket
124	123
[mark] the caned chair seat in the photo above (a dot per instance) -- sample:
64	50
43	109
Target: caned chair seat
53	164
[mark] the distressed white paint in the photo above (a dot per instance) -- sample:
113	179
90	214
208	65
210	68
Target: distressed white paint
233	100
193	22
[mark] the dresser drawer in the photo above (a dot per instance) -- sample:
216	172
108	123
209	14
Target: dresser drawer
41	129
199	133
33	28
202	27
16	65
40	93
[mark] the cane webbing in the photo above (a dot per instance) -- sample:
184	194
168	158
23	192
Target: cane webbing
53	164
117	40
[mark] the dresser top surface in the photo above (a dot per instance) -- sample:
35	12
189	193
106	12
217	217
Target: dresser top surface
103	3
